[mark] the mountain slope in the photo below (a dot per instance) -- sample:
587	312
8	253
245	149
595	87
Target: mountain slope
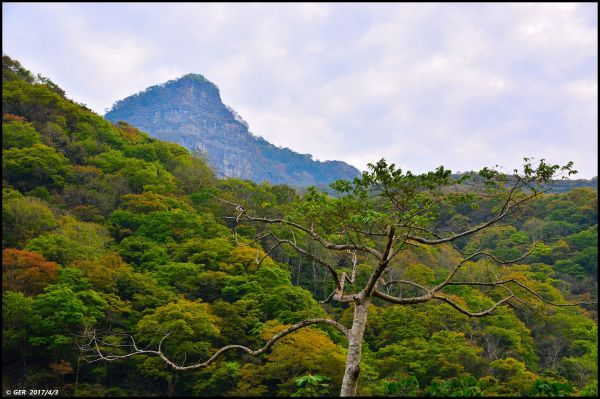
189	111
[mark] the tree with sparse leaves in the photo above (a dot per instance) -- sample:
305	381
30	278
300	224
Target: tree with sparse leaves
376	217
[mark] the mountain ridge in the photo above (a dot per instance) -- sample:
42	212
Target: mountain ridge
189	111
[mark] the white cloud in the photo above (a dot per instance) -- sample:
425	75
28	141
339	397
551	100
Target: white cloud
464	85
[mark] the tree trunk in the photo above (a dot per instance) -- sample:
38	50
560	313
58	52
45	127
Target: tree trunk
170	386
77	376
355	336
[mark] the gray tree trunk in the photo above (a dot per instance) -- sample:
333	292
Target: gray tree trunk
355	337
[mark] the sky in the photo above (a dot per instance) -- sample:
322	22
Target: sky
463	85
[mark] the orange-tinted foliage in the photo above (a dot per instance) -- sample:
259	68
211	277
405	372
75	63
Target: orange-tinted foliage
130	134
12	118
63	367
26	271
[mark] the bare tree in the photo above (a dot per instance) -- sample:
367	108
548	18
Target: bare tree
551	352
376	217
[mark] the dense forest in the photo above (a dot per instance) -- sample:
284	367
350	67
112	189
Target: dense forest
112	234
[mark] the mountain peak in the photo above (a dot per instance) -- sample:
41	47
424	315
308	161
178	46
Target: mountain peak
193	77
189	111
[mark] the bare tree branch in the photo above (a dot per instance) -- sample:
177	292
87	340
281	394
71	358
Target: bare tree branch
268	253
257	239
506	208
94	343
329	298
316	258
407	282
325	243
482	253
545	300
432	295
471	314
352	277
401	301
383	263
502	282
242	215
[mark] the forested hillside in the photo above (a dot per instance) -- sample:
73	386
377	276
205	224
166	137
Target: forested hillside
111	238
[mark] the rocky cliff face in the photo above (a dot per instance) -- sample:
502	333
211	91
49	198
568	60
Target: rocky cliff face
189	111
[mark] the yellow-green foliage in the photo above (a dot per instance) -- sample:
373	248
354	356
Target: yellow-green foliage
109	230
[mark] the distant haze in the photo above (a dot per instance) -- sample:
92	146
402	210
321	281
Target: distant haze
422	85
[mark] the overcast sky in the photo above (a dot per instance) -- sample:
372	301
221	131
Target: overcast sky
422	85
